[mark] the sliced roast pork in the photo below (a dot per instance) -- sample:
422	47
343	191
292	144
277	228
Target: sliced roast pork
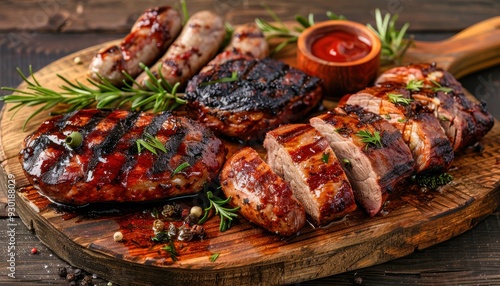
421	130
263	197
378	160
243	99
109	167
299	154
464	121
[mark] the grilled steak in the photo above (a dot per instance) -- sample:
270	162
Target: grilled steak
265	94
464	121
264	198
299	154
107	165
374	169
421	131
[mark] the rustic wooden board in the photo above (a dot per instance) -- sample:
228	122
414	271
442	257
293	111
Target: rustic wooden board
248	254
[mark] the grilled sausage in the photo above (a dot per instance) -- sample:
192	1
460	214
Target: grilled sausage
247	42
108	166
149	38
197	44
265	199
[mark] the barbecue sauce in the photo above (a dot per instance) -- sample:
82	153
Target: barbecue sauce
341	46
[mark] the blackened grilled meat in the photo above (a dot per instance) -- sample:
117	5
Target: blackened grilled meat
465	122
107	166
264	94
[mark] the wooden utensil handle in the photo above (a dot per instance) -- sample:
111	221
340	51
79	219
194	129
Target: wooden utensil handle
473	49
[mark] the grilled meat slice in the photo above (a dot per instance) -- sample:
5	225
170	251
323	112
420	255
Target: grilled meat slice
299	154
107	167
464	121
263	197
374	169
421	131
265	94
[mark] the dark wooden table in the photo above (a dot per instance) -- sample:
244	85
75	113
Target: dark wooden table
38	32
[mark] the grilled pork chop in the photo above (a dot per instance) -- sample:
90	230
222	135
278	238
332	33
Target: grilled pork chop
465	122
262	95
299	154
263	197
107	166
421	130
374	169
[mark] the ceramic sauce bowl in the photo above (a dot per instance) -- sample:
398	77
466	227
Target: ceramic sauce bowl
344	54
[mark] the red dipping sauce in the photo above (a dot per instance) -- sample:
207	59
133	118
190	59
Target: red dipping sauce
341	46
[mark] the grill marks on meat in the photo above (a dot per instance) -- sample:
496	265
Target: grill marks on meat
422	131
373	171
465	122
299	154
264	198
266	94
107	166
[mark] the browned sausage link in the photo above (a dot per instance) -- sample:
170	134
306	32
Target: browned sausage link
247	41
264	198
196	45
148	39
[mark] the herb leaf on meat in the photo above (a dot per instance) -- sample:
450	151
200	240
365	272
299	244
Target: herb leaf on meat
398	99
370	138
150	143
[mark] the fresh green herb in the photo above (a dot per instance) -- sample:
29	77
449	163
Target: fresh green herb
415	85
370	138
439	87
161	236
398	99
443	118
185	12
432	181
180	168
325	157
347	163
226	214
402	120
229	34
170	249
234	77
280	30
150	143
74	139
394	44
214	257
388	116
155	213
159	95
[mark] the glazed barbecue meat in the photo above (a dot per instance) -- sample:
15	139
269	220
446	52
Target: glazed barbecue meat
107	166
263	197
299	154
421	130
465	122
374	170
264	94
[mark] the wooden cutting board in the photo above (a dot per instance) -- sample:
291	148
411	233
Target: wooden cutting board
248	255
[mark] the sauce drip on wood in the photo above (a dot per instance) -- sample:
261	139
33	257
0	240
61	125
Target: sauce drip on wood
341	46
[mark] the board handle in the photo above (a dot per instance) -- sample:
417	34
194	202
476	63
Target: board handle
471	50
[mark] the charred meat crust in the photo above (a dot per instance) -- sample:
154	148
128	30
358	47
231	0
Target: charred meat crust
107	166
267	93
299	154
374	171
265	199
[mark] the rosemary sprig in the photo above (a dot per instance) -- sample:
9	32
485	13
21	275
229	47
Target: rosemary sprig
214	257
226	214
394	44
180	168
439	87
170	249
415	85
280	30
398	98
370	138
159	96
150	143
234	77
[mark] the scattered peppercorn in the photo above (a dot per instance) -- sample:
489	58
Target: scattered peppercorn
62	271
118	236
70	277
77	272
191	219
34	250
197	211
185	233
158	226
198	230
